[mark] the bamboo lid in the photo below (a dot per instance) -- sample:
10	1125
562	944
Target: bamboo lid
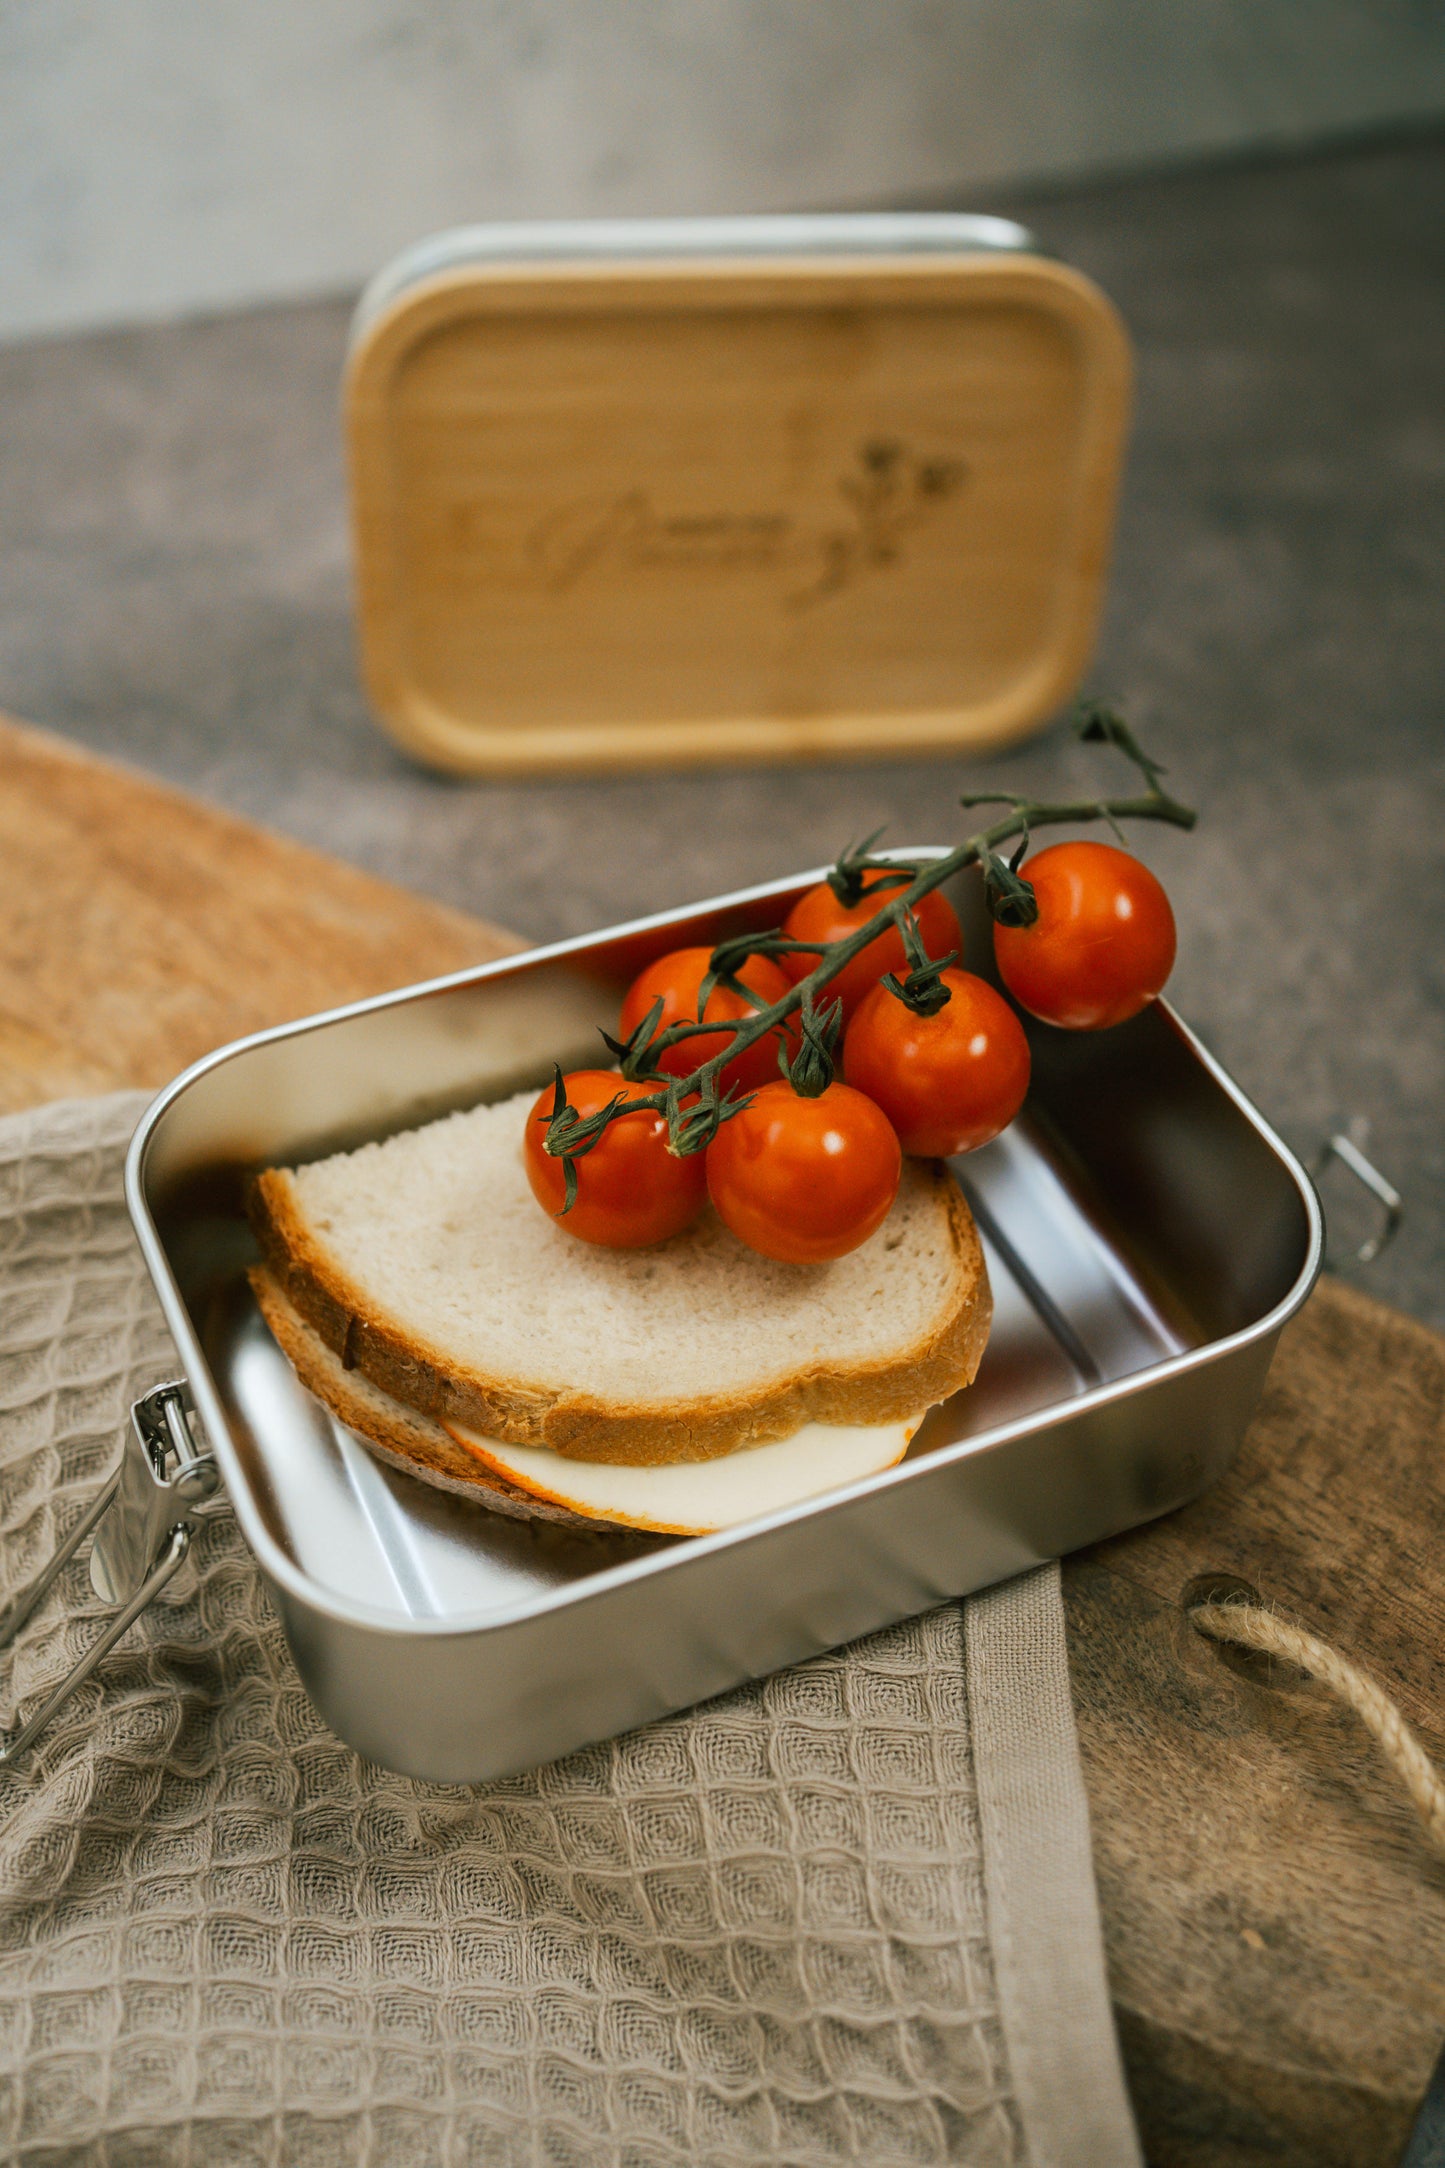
640	509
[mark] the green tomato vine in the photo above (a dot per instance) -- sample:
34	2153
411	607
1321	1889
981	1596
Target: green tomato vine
696	1105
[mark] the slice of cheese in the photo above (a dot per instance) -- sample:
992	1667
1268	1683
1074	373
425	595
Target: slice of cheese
692	1498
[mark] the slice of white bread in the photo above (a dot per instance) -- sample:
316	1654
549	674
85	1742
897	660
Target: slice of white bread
425	1264
527	1482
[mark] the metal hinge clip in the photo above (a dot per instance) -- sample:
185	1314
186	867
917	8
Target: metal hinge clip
163	1478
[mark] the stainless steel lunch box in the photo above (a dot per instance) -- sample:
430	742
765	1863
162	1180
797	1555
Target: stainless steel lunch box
1147	1234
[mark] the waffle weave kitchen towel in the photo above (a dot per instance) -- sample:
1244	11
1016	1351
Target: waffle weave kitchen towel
846	1914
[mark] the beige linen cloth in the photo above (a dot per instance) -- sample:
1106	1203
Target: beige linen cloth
846	1914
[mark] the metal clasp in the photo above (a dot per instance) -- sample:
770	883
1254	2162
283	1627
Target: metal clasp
163	1478
1392	1204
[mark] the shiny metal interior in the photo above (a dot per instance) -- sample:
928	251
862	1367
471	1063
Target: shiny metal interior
1147	1236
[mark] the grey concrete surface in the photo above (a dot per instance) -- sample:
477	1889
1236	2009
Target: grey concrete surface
174	591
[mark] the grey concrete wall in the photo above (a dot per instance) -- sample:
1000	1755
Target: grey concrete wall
163	156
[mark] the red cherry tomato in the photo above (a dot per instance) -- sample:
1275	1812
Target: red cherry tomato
819	917
804	1179
630	1188
676	979
1103	942
948	1082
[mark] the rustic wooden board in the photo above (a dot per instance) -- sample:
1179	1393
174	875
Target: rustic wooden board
139	929
1274	1919
1275	1925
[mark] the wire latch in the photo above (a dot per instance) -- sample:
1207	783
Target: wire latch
164	1477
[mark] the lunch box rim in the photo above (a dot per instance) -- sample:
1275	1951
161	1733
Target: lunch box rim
760	238
683	1551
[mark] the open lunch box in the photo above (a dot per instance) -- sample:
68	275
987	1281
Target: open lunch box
1147	1237
857	499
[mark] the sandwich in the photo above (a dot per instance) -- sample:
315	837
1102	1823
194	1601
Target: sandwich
468	1339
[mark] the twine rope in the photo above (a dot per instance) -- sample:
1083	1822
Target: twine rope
1254	1627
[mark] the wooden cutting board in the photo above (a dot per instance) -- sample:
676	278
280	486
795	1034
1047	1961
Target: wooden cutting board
139	929
1274	1921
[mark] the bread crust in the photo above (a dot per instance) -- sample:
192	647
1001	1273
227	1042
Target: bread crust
404	1440
581	1426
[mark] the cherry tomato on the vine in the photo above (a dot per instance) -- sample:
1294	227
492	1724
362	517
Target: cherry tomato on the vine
802	1179
1103	942
819	917
947	1082
631	1190
677	979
